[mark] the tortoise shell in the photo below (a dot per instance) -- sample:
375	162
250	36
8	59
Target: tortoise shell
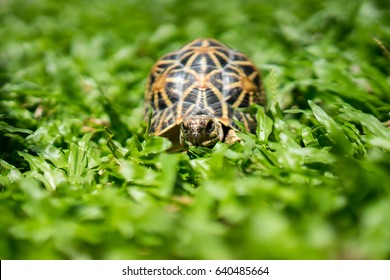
205	77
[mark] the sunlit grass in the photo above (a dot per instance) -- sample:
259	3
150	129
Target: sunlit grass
81	179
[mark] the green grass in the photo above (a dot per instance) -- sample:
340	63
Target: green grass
81	179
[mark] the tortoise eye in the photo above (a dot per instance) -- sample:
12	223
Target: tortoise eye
183	127
210	126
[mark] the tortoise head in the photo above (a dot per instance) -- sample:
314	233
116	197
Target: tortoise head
200	130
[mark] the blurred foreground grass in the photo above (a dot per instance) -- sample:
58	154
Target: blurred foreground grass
313	183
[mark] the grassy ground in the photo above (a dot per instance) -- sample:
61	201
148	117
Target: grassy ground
80	179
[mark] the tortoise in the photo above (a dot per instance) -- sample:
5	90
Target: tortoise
196	93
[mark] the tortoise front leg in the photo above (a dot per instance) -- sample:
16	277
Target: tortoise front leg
231	137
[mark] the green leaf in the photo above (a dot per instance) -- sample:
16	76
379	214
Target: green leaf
137	174
168	173
52	153
308	138
77	161
195	152
369	121
12	129
115	148
155	145
335	132
8	173
264	124
44	172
